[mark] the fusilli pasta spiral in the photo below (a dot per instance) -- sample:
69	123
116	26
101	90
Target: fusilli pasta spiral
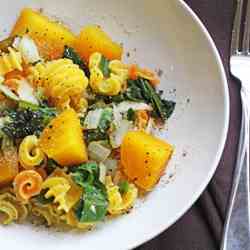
44	213
27	184
64	191
22	210
8	212
111	85
74	193
118	203
30	155
62	80
10	61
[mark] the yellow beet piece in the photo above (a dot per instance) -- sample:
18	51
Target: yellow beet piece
93	39
62	139
144	158
50	36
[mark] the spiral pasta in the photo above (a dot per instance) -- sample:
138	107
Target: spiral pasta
62	80
8	213
22	210
27	184
118	203
74	193
30	155
111	85
10	61
46	213
63	189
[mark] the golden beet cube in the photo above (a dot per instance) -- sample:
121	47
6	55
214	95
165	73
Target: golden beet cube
93	39
62	140
144	158
50	36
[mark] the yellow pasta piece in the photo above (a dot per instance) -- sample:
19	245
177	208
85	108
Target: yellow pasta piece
112	86
74	193
21	208
30	155
10	61
96	77
43	212
62	81
8	212
118	203
95	60
106	86
61	190
27	184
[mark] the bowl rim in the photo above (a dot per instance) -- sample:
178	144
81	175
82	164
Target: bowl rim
223	139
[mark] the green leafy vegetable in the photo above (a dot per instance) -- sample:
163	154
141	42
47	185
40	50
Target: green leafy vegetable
95	135
27	120
141	90
123	187
93	205
131	115
94	202
40	198
72	55
105	120
97	122
104	66
85	173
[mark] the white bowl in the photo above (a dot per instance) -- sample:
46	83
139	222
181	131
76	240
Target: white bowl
167	35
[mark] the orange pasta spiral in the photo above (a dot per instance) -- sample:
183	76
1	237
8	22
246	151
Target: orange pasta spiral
27	183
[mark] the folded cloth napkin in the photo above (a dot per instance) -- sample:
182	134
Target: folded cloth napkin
201	227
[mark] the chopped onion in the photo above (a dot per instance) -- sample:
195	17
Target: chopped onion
150	125
98	152
117	135
125	106
26	92
111	165
27	48
8	93
92	119
103	171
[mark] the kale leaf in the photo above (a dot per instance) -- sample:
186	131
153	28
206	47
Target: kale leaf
71	54
94	202
141	90
105	120
123	187
104	66
27	121
95	135
40	198
93	205
131	115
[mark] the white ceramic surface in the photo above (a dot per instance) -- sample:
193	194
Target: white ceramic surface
166	35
